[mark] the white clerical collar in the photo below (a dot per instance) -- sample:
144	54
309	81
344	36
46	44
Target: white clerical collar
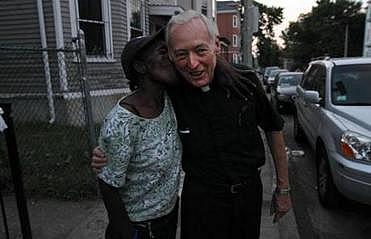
205	88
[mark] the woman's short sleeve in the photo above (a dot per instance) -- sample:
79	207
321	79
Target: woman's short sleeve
117	140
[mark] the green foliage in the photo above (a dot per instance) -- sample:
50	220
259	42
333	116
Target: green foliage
54	162
269	52
322	32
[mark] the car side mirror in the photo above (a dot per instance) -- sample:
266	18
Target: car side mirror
312	96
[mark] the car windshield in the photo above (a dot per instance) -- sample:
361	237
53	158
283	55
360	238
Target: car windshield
275	72
350	85
289	80
269	69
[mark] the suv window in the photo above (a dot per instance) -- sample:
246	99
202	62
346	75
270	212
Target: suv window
308	78
350	85
319	80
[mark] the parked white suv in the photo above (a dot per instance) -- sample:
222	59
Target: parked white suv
333	111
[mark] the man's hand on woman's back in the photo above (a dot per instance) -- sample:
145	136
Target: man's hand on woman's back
98	160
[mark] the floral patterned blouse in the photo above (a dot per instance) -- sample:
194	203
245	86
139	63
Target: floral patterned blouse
144	160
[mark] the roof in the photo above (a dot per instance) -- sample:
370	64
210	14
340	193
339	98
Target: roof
226	6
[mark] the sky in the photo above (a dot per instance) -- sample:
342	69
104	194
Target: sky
291	11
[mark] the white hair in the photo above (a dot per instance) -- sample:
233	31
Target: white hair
187	16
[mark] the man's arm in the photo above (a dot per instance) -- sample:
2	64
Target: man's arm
281	199
277	147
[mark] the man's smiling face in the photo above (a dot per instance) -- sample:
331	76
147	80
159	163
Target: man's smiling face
193	52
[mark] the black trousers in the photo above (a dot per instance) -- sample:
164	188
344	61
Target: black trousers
120	227
159	228
210	212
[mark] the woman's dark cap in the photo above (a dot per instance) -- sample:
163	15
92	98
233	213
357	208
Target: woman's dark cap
134	47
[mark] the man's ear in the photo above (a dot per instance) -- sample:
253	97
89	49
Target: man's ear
171	58
217	45
170	55
139	67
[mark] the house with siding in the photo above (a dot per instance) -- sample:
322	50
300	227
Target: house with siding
28	72
38	59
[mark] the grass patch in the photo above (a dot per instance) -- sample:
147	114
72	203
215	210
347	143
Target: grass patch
54	159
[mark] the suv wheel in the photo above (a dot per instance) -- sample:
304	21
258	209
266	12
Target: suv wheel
327	192
298	130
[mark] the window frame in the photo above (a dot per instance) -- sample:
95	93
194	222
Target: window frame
234	40
234	21
107	19
143	17
235	58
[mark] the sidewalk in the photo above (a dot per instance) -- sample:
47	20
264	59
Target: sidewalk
286	228
87	219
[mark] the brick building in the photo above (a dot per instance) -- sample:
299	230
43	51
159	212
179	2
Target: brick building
229	21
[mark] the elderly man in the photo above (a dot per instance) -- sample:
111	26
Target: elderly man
222	146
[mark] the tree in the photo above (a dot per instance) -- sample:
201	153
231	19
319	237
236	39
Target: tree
322	32
268	50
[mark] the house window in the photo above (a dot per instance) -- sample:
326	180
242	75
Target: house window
234	40
234	21
136	18
235	58
94	18
204	8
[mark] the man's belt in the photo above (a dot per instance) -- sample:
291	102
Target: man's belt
228	188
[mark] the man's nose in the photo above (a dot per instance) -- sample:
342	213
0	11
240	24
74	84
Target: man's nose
193	60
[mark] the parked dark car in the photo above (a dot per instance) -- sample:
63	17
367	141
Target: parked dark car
267	70
283	90
272	76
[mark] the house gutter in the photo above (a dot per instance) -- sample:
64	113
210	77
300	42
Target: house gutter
44	45
58	26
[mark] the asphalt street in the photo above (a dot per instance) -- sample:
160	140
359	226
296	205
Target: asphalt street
351	220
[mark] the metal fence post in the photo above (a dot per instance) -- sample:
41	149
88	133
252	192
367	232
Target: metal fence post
86	91
4	216
15	167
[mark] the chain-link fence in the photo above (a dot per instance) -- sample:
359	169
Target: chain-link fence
52	109
45	88
58	100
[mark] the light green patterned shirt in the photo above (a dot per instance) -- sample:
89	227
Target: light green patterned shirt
144	160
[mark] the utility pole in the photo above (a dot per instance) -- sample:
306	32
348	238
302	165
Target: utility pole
346	39
246	32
